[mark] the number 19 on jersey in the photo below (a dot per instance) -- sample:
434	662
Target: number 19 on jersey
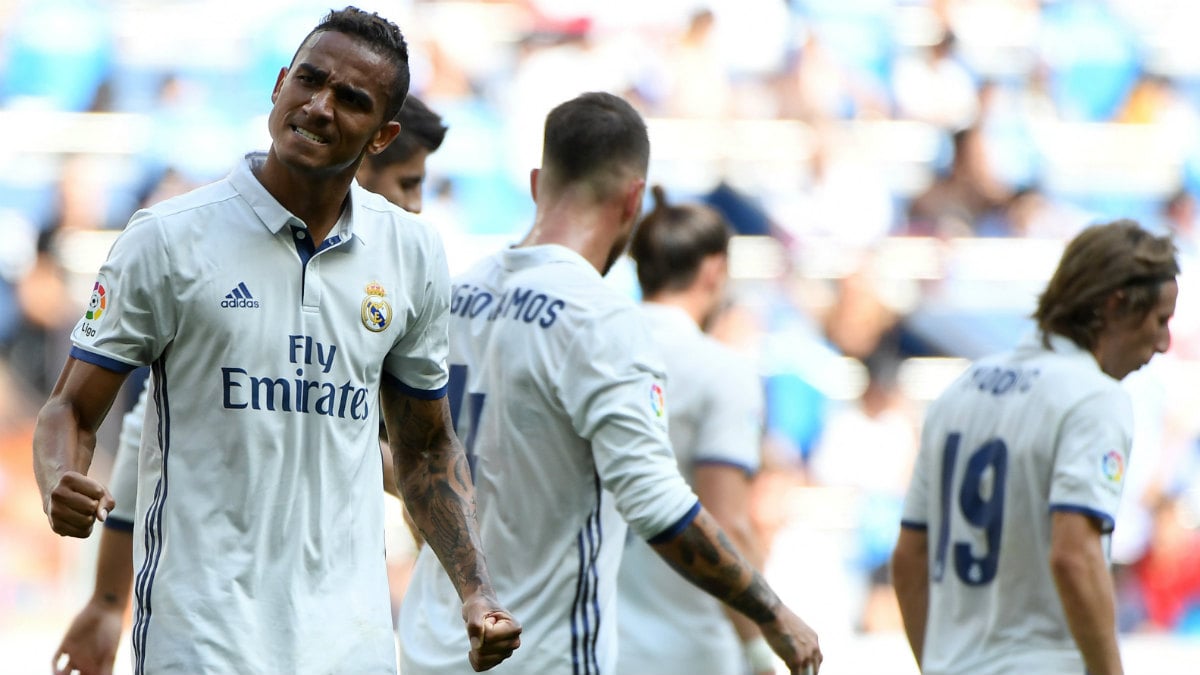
978	504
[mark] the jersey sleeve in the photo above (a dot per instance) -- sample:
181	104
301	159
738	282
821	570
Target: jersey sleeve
732	426
1091	457
417	362
130	316
123	484
613	389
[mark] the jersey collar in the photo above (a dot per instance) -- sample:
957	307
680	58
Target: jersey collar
272	214
1060	344
670	315
523	257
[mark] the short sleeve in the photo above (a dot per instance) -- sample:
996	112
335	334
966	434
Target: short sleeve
124	481
612	386
417	362
732	425
130	316
1092	455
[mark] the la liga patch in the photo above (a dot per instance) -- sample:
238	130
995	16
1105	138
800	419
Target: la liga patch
1112	466
658	400
97	303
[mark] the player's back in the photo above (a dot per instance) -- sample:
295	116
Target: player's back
1015	437
543	353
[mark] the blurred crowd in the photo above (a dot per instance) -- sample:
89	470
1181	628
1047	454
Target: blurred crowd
911	165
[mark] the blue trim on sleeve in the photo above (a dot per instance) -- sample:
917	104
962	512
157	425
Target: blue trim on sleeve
119	524
748	470
914	525
422	394
104	362
1107	522
679	526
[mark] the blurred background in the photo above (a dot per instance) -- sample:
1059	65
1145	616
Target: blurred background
902	174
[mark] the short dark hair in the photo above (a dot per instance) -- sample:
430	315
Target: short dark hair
420	127
672	241
382	36
1099	260
592	139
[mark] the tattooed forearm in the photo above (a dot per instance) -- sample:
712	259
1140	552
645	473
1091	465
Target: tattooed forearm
705	556
433	476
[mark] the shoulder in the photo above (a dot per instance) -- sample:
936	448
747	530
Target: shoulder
479	271
722	355
179	220
378	221
213	195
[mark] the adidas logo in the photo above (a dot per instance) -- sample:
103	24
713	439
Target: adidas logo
239	297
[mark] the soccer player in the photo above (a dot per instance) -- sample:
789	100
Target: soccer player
1002	564
90	643
398	171
557	393
278	309
665	624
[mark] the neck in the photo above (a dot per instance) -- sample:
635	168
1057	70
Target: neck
694	301
316	199
1109	360
574	221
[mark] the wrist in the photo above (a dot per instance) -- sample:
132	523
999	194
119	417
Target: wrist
759	655
107	601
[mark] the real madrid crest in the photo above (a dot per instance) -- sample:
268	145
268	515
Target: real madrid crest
376	312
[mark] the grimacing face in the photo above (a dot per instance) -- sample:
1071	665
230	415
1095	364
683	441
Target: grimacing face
329	105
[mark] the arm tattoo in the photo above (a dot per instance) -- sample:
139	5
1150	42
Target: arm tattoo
705	556
432	473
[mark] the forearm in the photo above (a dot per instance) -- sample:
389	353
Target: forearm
436	485
59	445
742	536
390	485
1085	588
725	492
910	579
114	569
912	594
704	555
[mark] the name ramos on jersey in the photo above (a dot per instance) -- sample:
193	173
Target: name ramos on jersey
519	304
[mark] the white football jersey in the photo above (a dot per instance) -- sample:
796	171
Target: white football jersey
122	483
667	625
557	394
1014	438
259	540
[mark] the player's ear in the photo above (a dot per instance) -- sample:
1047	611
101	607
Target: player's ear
1111	310
634	193
278	83
533	182
713	270
383	137
1114	302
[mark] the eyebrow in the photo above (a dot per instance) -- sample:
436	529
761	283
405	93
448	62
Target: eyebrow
358	96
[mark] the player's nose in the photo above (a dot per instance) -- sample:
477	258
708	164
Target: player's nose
319	105
1163	343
